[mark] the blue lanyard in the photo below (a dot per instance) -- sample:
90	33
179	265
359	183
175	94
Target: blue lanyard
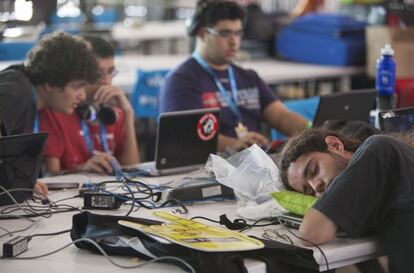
36	116
232	101
88	138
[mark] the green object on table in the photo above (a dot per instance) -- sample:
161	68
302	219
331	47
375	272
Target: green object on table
294	202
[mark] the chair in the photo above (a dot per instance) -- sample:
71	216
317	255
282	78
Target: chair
12	51
304	107
106	17
144	100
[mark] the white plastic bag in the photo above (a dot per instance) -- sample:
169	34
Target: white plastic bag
252	175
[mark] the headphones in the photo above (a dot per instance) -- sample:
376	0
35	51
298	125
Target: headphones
194	23
105	113
198	20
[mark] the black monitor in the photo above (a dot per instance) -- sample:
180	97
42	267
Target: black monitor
20	163
352	105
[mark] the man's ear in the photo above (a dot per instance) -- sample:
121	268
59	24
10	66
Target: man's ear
334	144
46	87
202	33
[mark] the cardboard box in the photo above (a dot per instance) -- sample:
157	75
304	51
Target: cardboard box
401	40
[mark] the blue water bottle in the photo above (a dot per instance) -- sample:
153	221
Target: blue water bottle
385	81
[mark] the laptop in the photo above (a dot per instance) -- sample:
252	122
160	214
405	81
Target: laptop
290	220
185	139
20	162
353	105
397	120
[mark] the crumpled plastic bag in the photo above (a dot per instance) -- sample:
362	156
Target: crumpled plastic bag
253	176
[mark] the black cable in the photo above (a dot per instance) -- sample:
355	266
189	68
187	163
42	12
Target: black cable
68	198
303	239
237	224
9	217
205	218
119	196
174	202
49	234
133	198
103	252
272	220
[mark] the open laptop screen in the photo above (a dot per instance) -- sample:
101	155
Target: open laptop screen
20	162
352	105
186	138
397	120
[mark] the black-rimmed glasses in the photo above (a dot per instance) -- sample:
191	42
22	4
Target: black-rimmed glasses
110	72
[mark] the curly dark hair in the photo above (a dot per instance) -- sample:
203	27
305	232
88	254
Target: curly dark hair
312	140
100	47
59	58
354	128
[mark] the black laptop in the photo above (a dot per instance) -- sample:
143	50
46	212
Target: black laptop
185	139
352	105
20	162
397	120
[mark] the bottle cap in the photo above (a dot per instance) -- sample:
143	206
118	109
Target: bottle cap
387	50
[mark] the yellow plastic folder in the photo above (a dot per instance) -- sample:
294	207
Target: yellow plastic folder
196	235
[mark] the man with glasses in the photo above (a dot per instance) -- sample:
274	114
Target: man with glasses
90	145
54	75
210	79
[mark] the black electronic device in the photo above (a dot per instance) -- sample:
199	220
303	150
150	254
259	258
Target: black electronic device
15	246
291	220
397	120
352	105
62	185
197	20
20	162
104	113
199	192
185	140
101	200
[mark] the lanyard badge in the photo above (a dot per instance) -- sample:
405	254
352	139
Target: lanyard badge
241	130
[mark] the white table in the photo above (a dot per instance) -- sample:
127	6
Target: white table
149	31
152	37
340	252
272	71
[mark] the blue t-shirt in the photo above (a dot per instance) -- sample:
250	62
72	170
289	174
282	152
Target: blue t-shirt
189	86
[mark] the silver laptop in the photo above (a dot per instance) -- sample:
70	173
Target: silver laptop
397	120
185	139
352	105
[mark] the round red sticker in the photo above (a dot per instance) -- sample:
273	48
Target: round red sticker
207	127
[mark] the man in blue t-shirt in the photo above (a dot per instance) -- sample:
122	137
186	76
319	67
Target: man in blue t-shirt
210	79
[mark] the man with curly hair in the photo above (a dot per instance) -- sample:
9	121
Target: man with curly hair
362	188
67	146
54	75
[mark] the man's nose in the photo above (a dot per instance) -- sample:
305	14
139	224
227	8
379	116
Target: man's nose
317	185
82	94
106	79
234	39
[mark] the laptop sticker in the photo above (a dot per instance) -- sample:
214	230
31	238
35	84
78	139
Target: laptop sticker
207	126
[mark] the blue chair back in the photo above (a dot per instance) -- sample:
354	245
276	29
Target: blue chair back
144	98
108	16
14	51
304	107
